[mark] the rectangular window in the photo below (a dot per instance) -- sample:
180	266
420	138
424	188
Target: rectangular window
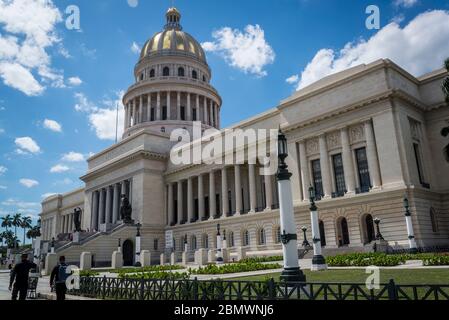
363	170
196	210
217	204
206	207
194	114
339	174
229	203
183	113
164	113
152	114
417	151
317	179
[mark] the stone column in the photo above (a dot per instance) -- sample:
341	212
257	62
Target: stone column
180	203
212	195
238	190
178	105
108	205
134	112
149	107
371	153
158	106
94	223
304	166
171	213
252	187
325	169
206	114
189	108
201	213
116	203
101	217
126	115
141	109
268	192
348	165
215	106
168	104
198	116
190	216
224	192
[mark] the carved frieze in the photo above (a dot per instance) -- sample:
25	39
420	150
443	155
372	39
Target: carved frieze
334	140
357	133
312	146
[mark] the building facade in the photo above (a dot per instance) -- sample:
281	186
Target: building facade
365	138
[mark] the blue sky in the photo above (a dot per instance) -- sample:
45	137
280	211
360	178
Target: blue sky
73	78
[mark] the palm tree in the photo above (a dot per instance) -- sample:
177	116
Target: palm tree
34	232
6	221
16	222
9	238
26	224
1	239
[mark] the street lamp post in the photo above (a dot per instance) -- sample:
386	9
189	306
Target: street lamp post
138	239
225	244
318	261
289	238
219	247
411	235
52	250
305	243
378	235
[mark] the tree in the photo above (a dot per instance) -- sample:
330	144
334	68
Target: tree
445	131
9	238
16	222
26	224
34	232
7	222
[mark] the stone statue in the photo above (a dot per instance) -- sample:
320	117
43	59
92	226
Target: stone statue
126	210
77	219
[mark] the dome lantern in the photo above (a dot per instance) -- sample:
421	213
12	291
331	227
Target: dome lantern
173	19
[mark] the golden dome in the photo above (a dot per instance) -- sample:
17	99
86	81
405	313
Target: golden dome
173	41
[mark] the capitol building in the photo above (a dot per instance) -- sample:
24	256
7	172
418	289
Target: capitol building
365	138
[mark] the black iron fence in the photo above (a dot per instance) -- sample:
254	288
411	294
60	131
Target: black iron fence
153	289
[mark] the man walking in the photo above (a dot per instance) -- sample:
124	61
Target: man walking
18	281
58	279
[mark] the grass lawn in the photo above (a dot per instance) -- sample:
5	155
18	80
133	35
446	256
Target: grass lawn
400	276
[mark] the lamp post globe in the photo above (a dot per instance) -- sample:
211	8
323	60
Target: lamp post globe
289	238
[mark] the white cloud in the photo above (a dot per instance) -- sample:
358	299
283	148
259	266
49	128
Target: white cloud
419	47
293	79
103	119
29	183
405	3
73	157
2	131
59	168
52	125
75	81
3	170
27	145
247	51
3	187
64	182
135	48
28	30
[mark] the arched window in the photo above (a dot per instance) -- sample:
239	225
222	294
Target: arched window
204	78
322	233
205	241
231	242
368	226
166	72
277	235
194	74
245	238
181	72
152	73
141	76
433	220
193	243
343	232
261	237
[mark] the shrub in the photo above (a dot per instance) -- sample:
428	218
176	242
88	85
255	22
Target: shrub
147	269
435	259
159	275
365	259
234	268
89	273
262	259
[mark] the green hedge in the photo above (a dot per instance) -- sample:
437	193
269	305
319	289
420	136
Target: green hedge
89	273
262	259
434	259
366	259
234	268
160	275
147	269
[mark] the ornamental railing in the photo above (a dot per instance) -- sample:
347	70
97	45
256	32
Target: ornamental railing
154	289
